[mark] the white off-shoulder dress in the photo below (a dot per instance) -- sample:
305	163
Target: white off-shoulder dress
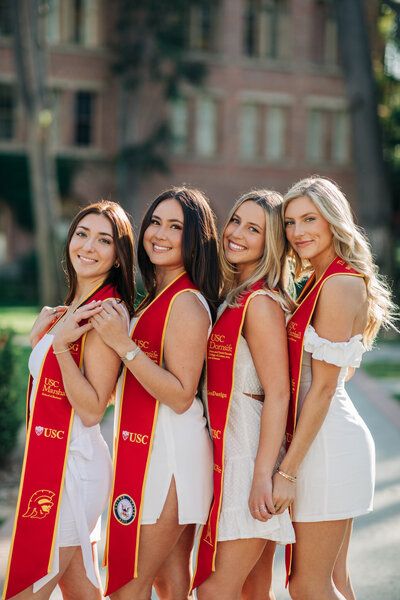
336	478
241	444
182	449
87	483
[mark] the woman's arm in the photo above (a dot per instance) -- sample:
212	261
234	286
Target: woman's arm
87	393
337	309
185	345
265	333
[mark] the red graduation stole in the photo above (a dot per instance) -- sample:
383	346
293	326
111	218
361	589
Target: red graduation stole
221	358
42	478
296	329
133	442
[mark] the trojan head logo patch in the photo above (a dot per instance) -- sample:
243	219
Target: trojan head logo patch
40	504
124	509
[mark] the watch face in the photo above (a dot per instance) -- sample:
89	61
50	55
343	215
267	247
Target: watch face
130	355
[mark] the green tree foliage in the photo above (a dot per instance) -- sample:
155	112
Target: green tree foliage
387	71
9	411
151	50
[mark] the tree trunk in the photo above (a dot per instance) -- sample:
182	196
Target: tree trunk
374	200
30	64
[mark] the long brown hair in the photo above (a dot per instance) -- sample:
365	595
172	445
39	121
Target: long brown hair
199	243
121	276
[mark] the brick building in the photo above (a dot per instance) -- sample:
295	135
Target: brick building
272	109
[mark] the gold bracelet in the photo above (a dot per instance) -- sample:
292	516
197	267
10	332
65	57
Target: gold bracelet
286	476
61	351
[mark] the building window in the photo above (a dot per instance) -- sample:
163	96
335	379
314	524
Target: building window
4	213
263	132
78	22
179	123
249	131
5	18
206	134
340	138
202	27
324	41
194	126
53	22
84	117
266	29
7	112
328	136
316	130
275	133
81	22
54	98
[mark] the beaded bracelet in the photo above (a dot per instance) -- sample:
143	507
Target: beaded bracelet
61	351
286	476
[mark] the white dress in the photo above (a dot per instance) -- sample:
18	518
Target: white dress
86	486
336	478
182	449
241	445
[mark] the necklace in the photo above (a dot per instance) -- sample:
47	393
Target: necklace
72	308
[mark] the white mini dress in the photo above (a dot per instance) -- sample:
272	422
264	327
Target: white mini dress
182	449
87	483
336	478
241	444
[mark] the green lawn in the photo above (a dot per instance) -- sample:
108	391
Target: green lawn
21	377
382	369
18	318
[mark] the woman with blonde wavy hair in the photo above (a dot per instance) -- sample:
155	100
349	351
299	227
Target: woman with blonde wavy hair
329	467
247	401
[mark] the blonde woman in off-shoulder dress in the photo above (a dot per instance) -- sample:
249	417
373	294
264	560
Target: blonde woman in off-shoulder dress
332	452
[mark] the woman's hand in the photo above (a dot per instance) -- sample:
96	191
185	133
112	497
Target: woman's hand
283	493
260	500
71	330
111	324
47	316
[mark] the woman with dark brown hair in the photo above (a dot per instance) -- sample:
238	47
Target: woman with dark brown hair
66	476
163	455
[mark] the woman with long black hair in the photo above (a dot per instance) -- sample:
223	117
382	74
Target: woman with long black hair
163	454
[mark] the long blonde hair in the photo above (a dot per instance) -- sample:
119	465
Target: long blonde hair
271	266
350	244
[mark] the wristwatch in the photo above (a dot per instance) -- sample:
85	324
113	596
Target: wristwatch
131	354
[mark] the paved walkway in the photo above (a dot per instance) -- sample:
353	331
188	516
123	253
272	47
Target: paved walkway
375	549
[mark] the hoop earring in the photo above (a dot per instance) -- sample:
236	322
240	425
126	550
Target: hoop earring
117	264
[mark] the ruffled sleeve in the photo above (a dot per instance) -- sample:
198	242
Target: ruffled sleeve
341	354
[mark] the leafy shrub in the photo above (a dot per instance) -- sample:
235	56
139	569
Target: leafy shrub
10	411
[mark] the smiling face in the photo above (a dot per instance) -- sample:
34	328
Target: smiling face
244	237
92	248
162	239
307	231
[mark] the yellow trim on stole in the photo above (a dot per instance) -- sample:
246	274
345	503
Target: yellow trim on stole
301	360
255	293
117	436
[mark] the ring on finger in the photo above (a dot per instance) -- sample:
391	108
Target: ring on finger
54	311
262	509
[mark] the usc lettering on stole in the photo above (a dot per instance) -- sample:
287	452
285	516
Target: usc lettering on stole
42	478
221	357
296	329
133	442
